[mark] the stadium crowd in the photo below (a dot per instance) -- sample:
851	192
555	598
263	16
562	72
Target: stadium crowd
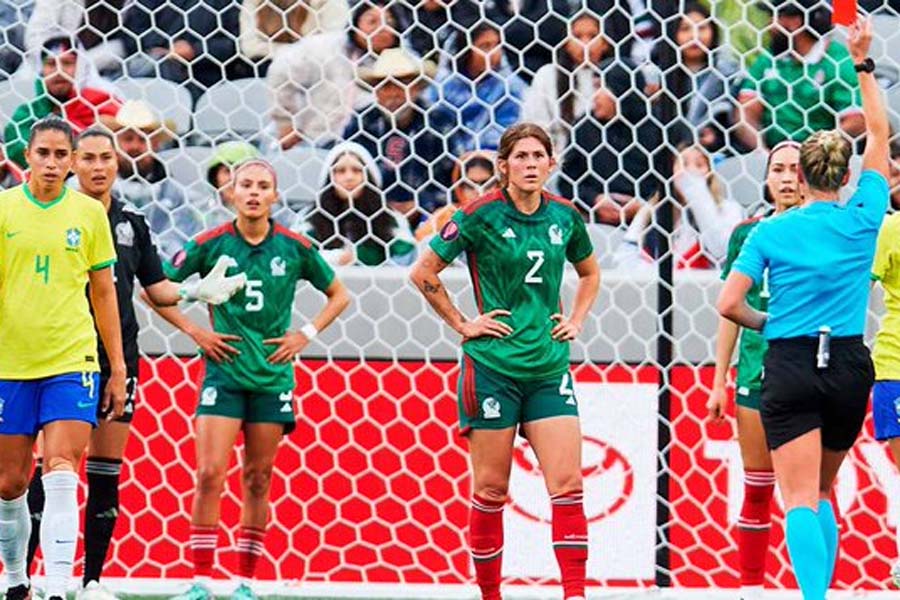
406	100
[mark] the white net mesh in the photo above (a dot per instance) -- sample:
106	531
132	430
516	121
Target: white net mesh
373	486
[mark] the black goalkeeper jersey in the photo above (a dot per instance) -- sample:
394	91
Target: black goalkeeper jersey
136	258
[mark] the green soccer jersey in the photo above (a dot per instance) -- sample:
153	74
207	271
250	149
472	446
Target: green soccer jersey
801	97
516	262
262	310
753	345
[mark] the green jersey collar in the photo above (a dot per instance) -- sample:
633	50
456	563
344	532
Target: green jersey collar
269	235
44	205
536	214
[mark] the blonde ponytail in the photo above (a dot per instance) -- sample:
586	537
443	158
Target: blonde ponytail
825	159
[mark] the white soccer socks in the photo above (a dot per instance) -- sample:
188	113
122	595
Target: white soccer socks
15	528
59	529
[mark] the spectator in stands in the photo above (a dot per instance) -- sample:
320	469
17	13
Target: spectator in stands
406	136
270	26
702	81
804	82
313	88
98	26
704	218
11	174
478	90
191	42
743	24
373	29
57	93
351	222
895	173
14	14
594	108
430	26
531	30
563	90
219	171
473	176
143	178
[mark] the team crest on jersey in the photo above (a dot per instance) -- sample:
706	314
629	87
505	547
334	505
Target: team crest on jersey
556	235
2	402
208	396
490	408
450	231
278	266
124	234
73	238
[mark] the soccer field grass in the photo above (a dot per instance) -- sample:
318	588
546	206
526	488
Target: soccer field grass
156	589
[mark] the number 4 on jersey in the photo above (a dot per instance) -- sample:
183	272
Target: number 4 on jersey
42	266
565	389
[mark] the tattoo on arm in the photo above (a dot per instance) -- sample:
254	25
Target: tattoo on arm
432	288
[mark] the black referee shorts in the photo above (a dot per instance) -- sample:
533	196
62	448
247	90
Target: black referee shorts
797	397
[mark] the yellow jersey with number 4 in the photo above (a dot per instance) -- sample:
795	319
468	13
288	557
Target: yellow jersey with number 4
46	253
886	269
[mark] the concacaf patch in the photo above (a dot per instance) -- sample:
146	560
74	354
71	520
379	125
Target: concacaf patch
179	259
450	231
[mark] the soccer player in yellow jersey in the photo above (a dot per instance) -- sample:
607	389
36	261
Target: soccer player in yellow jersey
53	242
886	355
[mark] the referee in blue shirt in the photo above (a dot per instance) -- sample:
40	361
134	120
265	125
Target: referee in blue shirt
817	373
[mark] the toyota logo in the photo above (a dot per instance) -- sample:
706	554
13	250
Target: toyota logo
608	482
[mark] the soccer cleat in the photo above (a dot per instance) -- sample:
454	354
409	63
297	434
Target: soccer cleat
94	591
243	592
895	574
19	592
198	591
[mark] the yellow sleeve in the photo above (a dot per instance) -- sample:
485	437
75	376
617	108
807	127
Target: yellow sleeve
101	252
884	248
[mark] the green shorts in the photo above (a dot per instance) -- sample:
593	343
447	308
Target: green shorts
747	397
220	397
490	400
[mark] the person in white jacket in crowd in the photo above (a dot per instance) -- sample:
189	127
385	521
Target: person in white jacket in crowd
704	218
270	26
313	89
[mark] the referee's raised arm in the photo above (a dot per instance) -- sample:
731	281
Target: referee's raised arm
875	157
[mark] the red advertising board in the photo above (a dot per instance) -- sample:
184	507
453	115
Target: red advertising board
373	485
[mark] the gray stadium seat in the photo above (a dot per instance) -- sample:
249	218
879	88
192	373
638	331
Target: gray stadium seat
605	239
172	101
233	109
742	176
299	170
187	168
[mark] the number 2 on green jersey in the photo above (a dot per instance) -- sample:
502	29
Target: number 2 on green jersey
537	256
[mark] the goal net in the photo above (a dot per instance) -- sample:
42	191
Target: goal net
370	494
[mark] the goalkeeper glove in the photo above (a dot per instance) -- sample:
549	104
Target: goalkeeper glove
215	288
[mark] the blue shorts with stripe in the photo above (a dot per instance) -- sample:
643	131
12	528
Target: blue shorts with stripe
26	406
886	409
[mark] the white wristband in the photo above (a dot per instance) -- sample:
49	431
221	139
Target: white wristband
309	331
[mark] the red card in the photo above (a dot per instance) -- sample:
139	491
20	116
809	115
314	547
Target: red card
844	12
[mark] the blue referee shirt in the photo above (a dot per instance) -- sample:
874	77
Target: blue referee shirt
818	258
